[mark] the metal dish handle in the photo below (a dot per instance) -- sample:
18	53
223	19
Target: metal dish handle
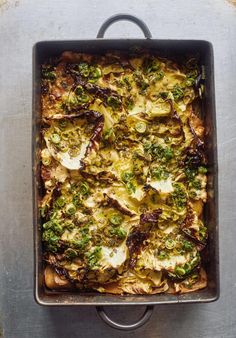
128	17
125	327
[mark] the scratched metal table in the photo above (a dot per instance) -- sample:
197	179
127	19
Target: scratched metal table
24	22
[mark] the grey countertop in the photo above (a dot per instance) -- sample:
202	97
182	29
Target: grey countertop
24	22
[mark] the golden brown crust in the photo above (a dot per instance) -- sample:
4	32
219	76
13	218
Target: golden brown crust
53	281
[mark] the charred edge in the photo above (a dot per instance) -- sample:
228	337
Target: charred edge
44	88
56	192
194	157
191	233
64	273
104	176
52	260
134	243
150	217
97	132
196	140
95	90
115	204
90	115
45	173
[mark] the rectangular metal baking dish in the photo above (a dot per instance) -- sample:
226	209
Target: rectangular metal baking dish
169	48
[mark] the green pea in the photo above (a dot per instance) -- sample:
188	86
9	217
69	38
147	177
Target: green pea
140	127
46	161
55	138
70	209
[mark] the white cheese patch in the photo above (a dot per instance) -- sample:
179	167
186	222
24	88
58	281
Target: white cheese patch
126	201
139	106
139	193
151	261
162	186
155	109
182	106
90	202
59	173
113	257
73	162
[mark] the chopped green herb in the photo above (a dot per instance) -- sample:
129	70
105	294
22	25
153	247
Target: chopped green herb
54	226
203	233
187	246
159	75
160	173
177	92
163	255
80	244
118	232
202	170
190	173
179	197
51	240
94	256
151	65
163	95
116	219
48	73
113	102
196	184
130	187
127	176
163	153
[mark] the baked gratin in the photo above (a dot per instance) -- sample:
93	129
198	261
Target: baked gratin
123	173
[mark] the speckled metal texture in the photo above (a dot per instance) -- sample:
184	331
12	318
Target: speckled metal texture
22	23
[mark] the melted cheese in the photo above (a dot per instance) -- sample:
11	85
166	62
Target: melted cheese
113	257
162	186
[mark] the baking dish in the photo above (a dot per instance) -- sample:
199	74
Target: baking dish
169	48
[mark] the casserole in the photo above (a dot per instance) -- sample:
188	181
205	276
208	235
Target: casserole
168	48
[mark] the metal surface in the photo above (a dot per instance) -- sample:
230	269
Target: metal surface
169	48
126	327
21	24
127	17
